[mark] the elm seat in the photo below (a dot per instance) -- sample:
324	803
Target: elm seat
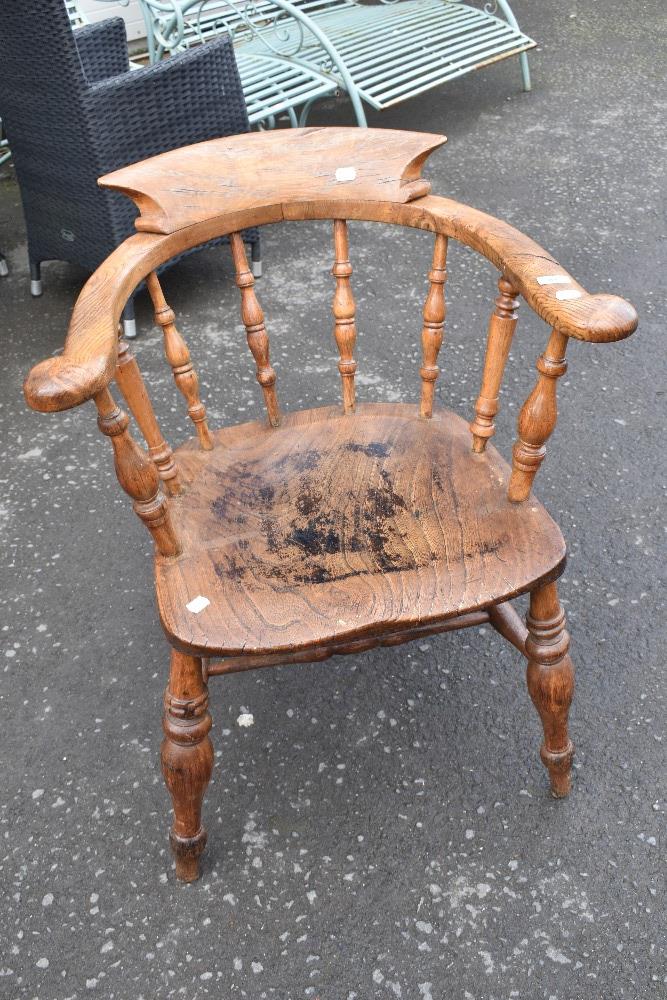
333	527
337	529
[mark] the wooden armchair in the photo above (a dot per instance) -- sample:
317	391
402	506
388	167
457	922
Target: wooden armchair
341	528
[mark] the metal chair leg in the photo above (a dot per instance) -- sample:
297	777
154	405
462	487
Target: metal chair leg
129	322
35	278
256	254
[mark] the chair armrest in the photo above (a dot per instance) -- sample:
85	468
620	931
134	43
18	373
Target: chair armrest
188	98
546	286
103	49
88	361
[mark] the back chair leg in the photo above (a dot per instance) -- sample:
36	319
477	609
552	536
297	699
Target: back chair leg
35	278
129	322
187	759
550	679
256	255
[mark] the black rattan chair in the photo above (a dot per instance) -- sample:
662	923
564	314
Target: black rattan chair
73	110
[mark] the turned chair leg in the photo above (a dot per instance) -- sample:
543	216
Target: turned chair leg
187	759
550	679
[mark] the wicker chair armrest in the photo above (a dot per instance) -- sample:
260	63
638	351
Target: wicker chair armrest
188	98
103	49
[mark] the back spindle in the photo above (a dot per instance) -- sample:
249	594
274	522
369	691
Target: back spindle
253	320
133	388
434	325
343	308
499	340
178	357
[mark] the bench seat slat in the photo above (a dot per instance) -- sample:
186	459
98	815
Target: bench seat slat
427	46
273	85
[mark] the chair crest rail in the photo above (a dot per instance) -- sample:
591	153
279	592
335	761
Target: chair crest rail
208	179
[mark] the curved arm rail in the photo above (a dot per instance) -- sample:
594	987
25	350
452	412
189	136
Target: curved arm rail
89	357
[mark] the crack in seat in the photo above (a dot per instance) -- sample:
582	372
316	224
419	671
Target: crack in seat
335	526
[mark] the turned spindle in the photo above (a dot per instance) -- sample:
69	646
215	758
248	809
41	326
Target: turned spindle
550	679
537	419
178	357
253	320
132	386
187	759
434	325
499	340
136	474
343	308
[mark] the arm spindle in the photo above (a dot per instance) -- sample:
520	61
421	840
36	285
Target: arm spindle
537	419
434	324
133	388
253	320
136	474
499	340
345	330
178	357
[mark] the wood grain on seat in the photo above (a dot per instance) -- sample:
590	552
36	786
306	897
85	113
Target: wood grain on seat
333	526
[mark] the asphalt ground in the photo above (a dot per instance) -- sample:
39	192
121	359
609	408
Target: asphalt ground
384	829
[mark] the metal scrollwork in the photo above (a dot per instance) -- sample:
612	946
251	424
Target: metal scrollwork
280	28
168	26
275	29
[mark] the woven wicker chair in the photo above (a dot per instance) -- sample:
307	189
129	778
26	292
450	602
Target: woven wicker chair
72	111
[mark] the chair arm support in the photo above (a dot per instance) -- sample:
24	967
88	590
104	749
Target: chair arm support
188	98
560	301
103	49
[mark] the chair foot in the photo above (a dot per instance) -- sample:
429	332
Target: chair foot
129	329
187	760
550	678
35	279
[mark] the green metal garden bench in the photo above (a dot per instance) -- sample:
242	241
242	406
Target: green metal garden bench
291	54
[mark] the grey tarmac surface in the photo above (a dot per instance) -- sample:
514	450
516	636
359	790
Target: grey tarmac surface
384	828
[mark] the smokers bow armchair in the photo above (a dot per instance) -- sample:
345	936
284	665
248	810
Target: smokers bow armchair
336	529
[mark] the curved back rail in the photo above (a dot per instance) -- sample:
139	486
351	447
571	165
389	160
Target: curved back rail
190	196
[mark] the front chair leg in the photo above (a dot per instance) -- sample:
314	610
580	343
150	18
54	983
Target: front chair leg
550	679
187	759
